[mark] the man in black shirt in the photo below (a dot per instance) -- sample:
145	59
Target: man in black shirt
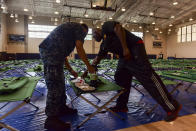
133	61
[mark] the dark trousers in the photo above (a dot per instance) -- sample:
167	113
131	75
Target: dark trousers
145	74
55	82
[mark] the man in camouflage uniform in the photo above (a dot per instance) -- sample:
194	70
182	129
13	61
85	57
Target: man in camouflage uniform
54	51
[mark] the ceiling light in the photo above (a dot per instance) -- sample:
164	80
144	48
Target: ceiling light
123	9
147	31
55	23
172	16
132	30
110	18
58	1
81	22
25	9
11	15
97	27
86	15
3	6
170	25
169	29
160	32
101	23
56	12
16	20
32	21
175	3
94	5
151	13
30	17
5	10
16	15
156	29
191	19
134	21
140	27
56	19
153	23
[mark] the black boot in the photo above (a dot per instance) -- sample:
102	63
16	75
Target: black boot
67	111
54	123
171	116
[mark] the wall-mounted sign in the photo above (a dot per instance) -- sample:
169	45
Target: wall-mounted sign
157	44
16	38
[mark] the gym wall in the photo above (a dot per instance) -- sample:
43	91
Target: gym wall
170	47
148	40
3	33
15	28
180	50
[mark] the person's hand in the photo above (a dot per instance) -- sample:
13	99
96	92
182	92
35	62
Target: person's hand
126	54
75	74
91	69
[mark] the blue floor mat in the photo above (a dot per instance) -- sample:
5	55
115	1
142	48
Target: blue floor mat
28	119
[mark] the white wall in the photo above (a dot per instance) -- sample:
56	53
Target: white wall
3	36
15	28
148	40
0	34
170	47
180	50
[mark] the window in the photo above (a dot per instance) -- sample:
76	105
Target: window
188	38
187	33
39	31
194	32
89	35
139	34
179	34
184	34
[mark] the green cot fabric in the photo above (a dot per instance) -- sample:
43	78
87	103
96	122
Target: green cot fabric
38	68
166	82
110	73
105	86
11	84
22	93
169	82
179	78
182	74
5	69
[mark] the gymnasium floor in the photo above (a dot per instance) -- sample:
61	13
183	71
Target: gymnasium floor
28	119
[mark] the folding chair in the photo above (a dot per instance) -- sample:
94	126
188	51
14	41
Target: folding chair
21	94
104	87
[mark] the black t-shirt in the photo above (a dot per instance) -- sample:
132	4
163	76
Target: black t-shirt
111	42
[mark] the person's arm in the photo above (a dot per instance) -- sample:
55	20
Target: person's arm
82	55
69	68
96	61
120	32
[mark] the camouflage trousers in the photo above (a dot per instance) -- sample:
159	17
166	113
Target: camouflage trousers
55	82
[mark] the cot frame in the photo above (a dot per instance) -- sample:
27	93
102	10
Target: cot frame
24	102
99	108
